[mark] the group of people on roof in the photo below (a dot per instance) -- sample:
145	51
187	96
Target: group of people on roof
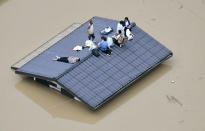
124	27
123	33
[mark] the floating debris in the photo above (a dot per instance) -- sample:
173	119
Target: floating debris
174	100
173	82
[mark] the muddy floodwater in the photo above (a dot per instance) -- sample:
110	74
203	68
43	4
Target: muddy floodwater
170	98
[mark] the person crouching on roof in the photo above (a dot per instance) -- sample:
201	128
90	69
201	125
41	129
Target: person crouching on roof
69	59
128	33
104	47
118	39
126	22
120	27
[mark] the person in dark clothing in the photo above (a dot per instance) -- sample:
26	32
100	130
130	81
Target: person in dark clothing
126	22
69	59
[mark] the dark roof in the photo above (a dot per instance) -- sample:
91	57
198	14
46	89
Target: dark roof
43	66
97	79
45	46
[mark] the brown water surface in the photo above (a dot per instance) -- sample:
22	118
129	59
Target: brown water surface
170	98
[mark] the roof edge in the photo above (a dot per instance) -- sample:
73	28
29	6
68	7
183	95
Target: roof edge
93	109
134	80
37	76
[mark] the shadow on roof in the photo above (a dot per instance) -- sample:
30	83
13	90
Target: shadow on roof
59	106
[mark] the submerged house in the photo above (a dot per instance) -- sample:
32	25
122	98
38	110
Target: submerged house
93	80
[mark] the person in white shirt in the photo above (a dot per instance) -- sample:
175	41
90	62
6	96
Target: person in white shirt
91	31
128	33
120	27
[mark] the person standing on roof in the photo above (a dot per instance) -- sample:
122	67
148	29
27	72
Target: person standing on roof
69	59
90	30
